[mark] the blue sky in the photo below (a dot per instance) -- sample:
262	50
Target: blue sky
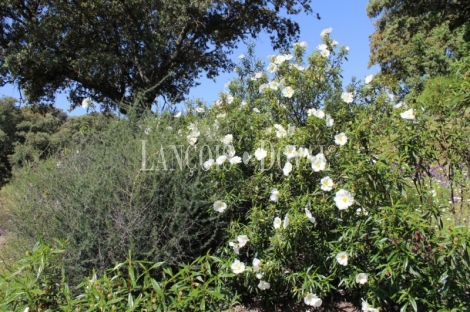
351	27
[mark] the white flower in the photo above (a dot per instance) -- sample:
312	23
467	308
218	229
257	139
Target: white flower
361	278
220	206
260	153
277	222
318	163
326	184
200	109
147	131
273	85
281	132
348	97
229	99
59	165
274	195
409	114
279	59
341	139
235	247
369	79
343	199
221	159
287	168
177	115
319	114
329	121
303	152
286	221
287	92
256	263
334	43
243	103
238	267
242	240
290	130
362	212
288	56
301	44
256	110
208	164
262	87
258	75
221	115
312	300
235	160
263	285
325	32
259	275
227	139
325	53
192	140
290	151
309	215
316	112
195	132
322	47
342	258
398	105
230	151
367	307
272	68
241	56
86	102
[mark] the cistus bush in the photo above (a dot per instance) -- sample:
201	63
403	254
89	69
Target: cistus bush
323	209
134	187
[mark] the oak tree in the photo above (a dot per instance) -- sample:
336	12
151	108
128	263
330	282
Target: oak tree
112	50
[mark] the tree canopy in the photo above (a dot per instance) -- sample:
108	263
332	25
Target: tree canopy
111	50
417	38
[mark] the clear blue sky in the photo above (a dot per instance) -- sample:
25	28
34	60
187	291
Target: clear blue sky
351	27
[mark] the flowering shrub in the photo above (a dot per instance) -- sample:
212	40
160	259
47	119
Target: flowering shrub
320	192
316	210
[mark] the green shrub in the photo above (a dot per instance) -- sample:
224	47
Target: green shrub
102	198
38	284
287	223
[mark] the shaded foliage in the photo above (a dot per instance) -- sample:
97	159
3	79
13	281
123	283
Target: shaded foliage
417	38
111	50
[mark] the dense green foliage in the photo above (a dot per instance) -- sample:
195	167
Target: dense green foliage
103	198
39	284
417	38
392	230
32	133
8	120
112	50
287	189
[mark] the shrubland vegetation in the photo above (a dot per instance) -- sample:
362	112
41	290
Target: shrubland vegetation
289	188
